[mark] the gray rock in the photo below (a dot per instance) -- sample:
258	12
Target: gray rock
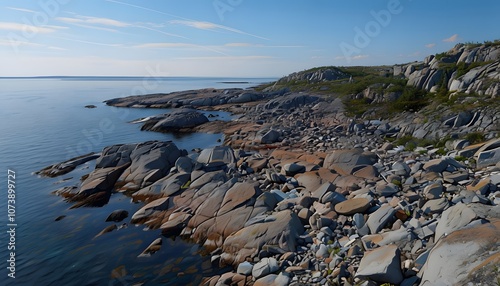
175	121
100	180
401	169
377	220
346	161
264	267
245	97
488	158
150	161
117	215
282	279
333	198
436	165
167	186
381	265
386	238
322	190
66	166
460	215
290	101
292	169
217	156
270	137
150	209
386	190
359	220
465	257
152	248
184	165
322	251
245	268
281	228
433	191
435	206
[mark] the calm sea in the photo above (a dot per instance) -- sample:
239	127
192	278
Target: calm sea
43	121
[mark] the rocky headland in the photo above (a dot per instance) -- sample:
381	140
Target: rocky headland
331	176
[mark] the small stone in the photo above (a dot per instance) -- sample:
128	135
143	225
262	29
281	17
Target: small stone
352	206
245	268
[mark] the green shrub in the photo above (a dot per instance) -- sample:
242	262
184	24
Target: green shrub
475	137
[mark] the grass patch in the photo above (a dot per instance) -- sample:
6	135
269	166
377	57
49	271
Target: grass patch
475	137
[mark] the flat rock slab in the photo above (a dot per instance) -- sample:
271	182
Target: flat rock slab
465	256
381	265
460	215
352	206
377	220
282	229
345	162
435	206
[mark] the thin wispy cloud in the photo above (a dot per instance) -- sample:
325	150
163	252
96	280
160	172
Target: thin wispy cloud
93	20
232	58
17	27
359	57
259	45
451	39
238	45
164	45
19	43
147	9
430	45
28	44
21	9
178	45
212	27
161	32
355	58
90	42
96	28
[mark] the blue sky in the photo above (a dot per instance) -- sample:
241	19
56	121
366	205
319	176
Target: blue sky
238	38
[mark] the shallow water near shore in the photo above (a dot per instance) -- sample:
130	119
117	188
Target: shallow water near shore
43	121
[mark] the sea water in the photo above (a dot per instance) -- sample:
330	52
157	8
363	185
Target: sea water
44	121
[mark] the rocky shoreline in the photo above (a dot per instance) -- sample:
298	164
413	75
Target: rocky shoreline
302	194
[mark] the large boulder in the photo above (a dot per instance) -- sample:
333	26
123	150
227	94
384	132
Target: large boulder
346	162
150	161
270	137
166	186
290	101
100	180
465	257
175	121
281	229
217	157
460	215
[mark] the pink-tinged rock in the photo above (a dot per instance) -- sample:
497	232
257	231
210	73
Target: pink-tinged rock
468	256
345	161
352	206
281	229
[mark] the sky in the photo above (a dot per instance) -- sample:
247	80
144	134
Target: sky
230	38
